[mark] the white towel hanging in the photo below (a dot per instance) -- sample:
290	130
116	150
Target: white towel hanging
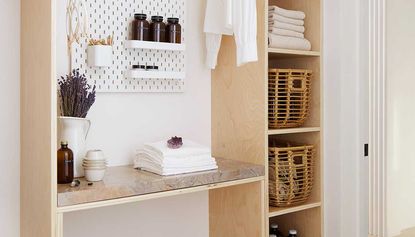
243	21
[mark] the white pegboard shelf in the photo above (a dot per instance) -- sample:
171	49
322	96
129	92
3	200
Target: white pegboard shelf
114	17
139	44
154	74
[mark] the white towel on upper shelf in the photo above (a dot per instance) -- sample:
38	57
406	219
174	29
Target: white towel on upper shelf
282	25
287	13
283	32
287	42
277	17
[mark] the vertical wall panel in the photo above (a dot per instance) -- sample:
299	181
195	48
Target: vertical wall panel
38	119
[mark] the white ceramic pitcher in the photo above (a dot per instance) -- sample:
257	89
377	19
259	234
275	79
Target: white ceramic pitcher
75	131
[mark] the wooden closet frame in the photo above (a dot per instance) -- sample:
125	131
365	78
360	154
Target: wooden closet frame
239	131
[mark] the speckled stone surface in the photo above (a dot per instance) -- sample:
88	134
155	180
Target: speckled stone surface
124	181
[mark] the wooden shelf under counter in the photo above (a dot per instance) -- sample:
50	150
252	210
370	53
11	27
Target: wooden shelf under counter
278	211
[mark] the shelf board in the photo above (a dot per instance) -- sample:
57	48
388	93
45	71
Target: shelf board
124	184
279	211
139	44
293	130
154	74
288	53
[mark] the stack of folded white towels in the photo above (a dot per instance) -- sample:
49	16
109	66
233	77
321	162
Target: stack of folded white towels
286	29
160	159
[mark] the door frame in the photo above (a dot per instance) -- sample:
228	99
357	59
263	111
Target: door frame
377	119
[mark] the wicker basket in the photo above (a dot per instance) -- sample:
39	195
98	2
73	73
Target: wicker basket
291	171
288	97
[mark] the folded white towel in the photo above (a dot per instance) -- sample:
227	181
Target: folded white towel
286	42
158	158
177	163
157	169
282	25
177	171
169	159
283	32
143	163
189	148
277	17
287	13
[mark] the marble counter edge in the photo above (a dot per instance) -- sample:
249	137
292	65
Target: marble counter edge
138	183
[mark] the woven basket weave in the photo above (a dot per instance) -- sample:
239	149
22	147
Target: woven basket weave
288	97
291	172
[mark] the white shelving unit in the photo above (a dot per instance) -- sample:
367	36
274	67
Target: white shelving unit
154	74
139	44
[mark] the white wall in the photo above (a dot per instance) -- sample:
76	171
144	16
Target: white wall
9	117
345	74
400	113
122	122
332	113
172	216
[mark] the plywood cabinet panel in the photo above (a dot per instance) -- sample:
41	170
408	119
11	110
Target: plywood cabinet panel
239	102
239	132
234	214
38	123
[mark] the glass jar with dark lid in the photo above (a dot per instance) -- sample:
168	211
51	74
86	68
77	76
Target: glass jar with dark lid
173	30
157	29
141	27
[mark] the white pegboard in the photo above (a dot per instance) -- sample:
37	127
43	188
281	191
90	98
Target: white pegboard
107	17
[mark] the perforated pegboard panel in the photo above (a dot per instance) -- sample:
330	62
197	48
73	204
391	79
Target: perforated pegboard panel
107	17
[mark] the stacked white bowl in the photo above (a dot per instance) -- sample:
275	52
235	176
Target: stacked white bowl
95	165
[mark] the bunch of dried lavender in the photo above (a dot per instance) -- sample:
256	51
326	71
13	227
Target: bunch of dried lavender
76	95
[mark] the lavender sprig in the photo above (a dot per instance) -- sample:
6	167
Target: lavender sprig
76	95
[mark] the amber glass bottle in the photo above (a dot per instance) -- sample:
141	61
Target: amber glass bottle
141	27
157	29
173	31
65	164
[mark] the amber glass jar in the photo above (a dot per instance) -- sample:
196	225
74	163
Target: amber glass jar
173	31
157	29
65	164
141	27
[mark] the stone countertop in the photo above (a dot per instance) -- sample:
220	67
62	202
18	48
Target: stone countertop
125	181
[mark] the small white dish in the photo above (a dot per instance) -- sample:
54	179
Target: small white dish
95	155
94	175
94	161
94	166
